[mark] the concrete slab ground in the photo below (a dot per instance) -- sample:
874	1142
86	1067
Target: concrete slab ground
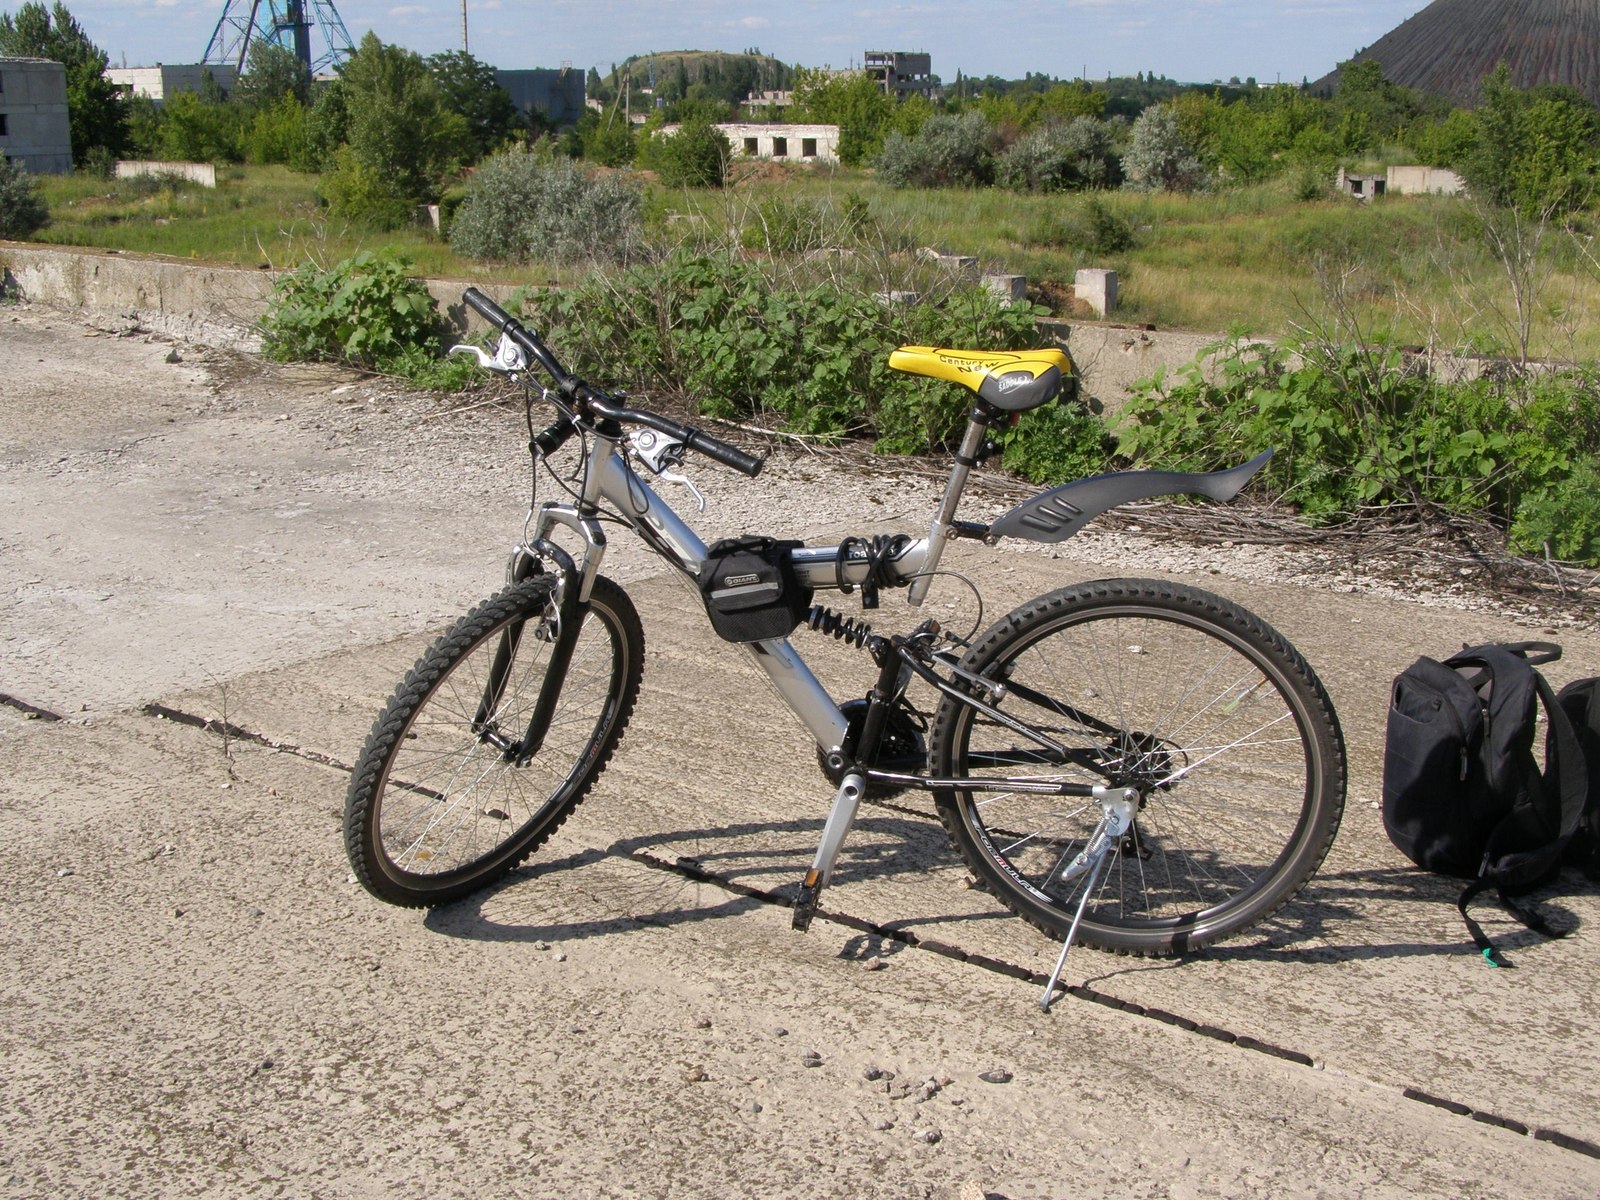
199	1001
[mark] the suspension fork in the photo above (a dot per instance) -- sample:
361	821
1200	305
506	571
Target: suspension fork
569	614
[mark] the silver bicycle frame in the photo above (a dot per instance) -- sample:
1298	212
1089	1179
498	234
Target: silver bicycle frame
608	477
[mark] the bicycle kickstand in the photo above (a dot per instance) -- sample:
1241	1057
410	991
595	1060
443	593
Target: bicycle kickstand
1117	809
840	817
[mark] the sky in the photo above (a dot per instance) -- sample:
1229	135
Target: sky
1186	40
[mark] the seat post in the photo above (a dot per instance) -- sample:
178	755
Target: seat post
967	457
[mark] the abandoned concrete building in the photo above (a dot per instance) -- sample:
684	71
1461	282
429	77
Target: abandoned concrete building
901	74
1407	180
556	93
784	143
168	79
33	115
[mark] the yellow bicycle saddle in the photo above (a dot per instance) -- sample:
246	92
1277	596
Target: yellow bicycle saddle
1010	380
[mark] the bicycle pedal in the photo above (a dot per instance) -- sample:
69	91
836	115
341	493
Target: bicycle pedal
806	901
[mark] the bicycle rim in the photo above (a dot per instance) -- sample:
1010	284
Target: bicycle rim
1206	710
449	806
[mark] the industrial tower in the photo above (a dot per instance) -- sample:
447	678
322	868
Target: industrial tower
284	23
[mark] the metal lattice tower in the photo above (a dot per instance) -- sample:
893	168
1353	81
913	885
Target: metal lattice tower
284	23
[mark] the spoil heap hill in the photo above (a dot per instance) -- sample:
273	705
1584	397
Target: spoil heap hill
1450	46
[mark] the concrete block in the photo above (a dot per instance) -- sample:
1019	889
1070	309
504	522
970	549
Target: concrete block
1013	289
957	264
1097	288
204	174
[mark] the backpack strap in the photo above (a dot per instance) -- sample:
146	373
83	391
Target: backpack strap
1565	764
1530	918
1537	653
1567	773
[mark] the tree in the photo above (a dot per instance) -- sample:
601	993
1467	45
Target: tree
272	72
95	112
194	129
855	103
400	137
1536	151
278	134
607	138
468	88
327	128
1245	143
1368	105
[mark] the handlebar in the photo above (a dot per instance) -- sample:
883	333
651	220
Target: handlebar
597	402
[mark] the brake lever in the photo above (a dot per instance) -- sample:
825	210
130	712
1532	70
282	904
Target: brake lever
508	357
659	452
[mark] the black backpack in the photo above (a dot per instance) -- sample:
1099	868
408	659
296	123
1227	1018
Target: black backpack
1463	793
1580	700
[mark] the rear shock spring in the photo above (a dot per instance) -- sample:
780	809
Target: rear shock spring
846	629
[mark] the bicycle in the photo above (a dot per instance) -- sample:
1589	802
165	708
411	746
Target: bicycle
1132	764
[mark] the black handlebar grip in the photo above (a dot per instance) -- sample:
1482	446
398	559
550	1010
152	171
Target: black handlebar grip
728	456
487	308
523	336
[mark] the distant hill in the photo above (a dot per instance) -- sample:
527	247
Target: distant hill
1450	46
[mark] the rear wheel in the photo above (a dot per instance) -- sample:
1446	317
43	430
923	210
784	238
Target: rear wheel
1220	725
448	794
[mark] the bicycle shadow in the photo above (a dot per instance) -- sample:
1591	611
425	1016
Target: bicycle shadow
1325	922
1348	916
762	861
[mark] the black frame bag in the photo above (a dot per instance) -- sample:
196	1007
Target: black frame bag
750	589
1463	793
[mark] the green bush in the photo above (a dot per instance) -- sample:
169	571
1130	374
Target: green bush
811	357
1357	428
1058	443
1091	226
947	151
696	156
523	205
22	208
783	226
362	193
1563	520
1062	158
365	311
277	134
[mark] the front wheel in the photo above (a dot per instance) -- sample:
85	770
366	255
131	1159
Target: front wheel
1218	723
457	782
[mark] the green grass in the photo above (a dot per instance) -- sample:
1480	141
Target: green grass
256	216
1251	259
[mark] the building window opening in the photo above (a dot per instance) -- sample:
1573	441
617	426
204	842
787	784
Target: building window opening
780	147
808	147
750	147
